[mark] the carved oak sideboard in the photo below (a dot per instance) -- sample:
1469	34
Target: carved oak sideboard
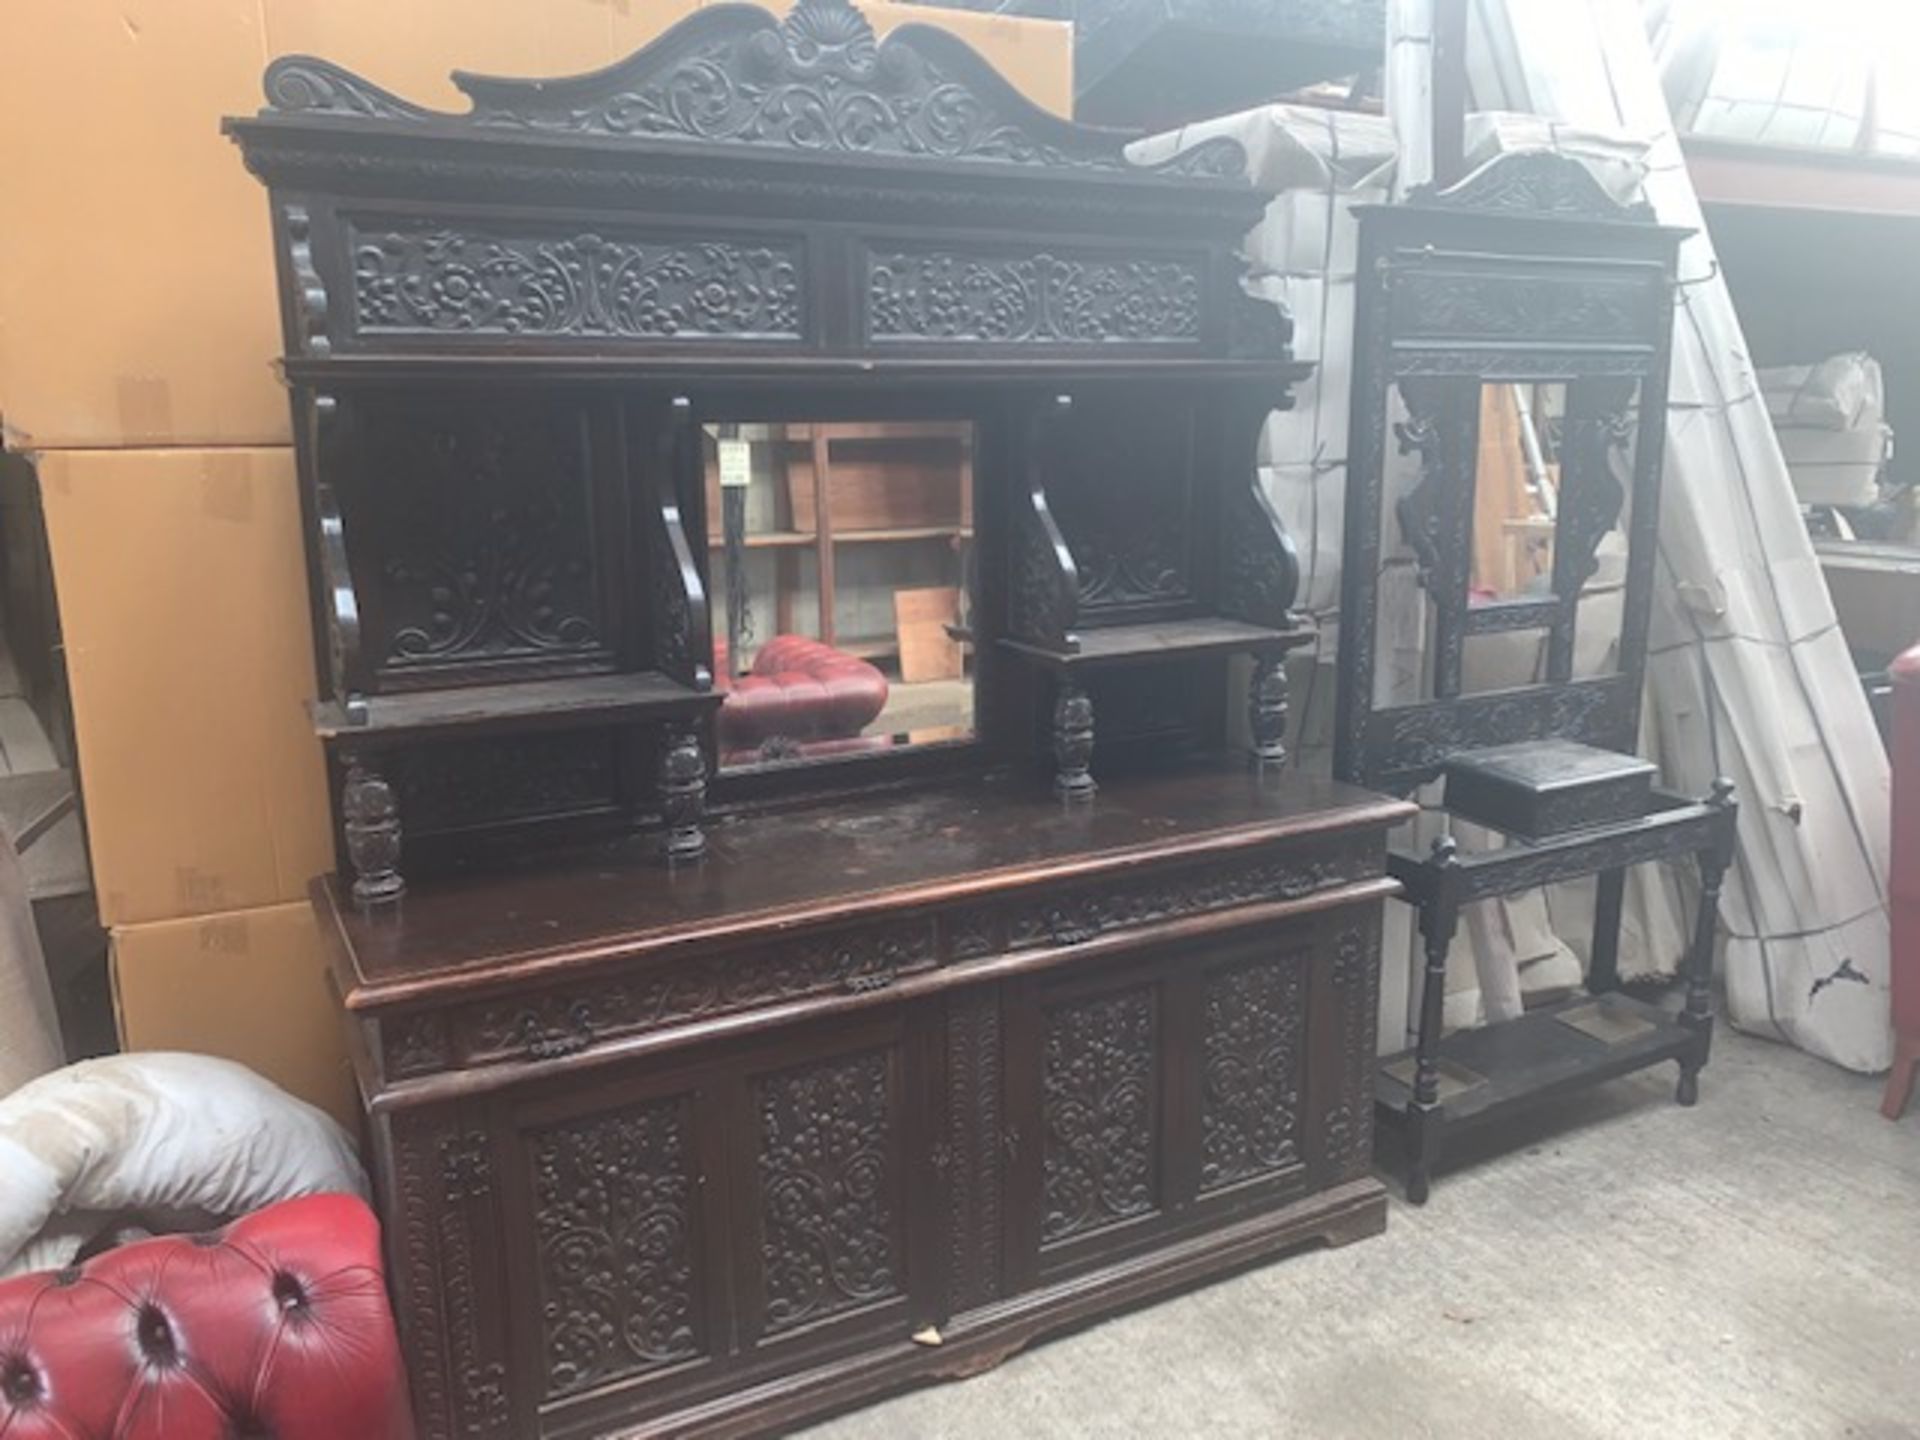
871	1094
706	1093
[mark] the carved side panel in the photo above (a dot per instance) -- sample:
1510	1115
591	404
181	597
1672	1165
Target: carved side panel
449	1303
473	538
930	294
1100	1113
1253	1017
972	1157
1347	1134
614	1223
413	279
829	1176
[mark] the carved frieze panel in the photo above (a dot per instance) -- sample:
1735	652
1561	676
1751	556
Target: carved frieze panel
1040	297
1411	740
614	1223
458	783
1100	1113
829	1189
1254	1018
413	278
1080	915
970	1155
472	537
568	1018
1450	300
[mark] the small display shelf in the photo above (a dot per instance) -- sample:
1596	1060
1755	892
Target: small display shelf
522	706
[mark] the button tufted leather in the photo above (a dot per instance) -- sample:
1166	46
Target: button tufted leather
277	1326
801	690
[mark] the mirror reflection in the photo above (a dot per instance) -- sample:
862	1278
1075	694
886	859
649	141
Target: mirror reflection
841	562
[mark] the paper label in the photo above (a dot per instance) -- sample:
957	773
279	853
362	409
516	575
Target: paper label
736	464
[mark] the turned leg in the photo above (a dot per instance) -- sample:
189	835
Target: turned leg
1267	710
1697	1016
370	817
1603	965
1072	741
683	795
1439	919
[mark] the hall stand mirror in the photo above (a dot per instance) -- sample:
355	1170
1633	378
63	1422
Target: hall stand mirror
1523	285
781	513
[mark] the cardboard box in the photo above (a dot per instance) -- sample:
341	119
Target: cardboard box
249	986
137	300
182	589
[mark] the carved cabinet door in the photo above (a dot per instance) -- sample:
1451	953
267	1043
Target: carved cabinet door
684	1227
1208	1078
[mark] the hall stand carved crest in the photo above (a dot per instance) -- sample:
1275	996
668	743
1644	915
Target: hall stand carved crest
1525	272
704	1099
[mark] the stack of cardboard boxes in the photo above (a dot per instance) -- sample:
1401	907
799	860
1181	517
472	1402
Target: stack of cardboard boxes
138	323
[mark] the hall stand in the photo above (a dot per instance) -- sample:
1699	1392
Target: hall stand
1524	272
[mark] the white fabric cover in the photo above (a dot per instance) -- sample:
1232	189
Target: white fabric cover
180	1142
29	1027
1748	671
1829	421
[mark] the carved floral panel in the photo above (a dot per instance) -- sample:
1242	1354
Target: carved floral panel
1254	1018
614	1220
475	536
829	1178
421	280
1032	297
1100	1113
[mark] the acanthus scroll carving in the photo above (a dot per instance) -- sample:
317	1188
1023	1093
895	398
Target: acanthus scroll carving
614	1224
1041	298
439	281
1098	1111
829	1182
1254	1020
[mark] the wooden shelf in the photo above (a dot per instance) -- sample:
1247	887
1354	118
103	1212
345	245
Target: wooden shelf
1160	640
806	539
525	705
1489	1072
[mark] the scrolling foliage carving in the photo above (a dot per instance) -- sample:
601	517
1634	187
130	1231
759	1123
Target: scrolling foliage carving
614	1223
1039	298
479	519
1254	1020
829	1181
414	280
1099	1114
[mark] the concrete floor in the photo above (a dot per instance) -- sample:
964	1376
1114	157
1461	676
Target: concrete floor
1626	1269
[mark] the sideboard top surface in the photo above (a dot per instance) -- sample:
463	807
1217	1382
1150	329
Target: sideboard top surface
771	873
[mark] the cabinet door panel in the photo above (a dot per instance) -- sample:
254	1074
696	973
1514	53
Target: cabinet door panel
616	1264
1252	1056
828	1187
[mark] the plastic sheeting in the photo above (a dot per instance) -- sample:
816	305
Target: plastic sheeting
1749	675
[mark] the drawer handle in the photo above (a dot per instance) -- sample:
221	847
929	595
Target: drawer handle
542	1044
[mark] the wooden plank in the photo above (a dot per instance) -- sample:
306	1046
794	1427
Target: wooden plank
575	700
927	650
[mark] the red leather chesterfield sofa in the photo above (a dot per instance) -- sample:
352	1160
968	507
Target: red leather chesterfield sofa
801	695
276	1326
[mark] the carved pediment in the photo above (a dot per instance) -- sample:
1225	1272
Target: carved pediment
1534	182
818	81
